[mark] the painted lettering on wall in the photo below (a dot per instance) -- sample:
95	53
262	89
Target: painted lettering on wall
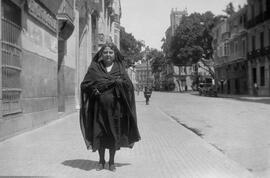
41	14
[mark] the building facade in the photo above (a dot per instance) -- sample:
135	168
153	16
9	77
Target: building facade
165	77
230	49
144	76
175	19
237	68
258	25
181	75
174	77
183	78
37	72
241	52
220	44
46	47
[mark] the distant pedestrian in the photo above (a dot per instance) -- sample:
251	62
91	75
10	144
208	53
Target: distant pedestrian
256	88
147	94
108	114
138	91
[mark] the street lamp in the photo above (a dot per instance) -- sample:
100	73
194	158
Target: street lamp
147	91
147	70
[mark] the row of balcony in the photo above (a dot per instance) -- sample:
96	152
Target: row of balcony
258	53
250	55
258	19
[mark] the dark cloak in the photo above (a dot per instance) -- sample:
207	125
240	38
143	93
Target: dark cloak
123	110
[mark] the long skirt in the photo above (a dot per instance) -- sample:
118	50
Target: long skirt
109	119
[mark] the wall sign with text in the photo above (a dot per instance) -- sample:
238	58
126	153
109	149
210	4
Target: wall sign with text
41	14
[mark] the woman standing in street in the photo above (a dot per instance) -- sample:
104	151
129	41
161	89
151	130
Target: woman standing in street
108	114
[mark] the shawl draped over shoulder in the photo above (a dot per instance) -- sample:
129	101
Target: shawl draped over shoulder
118	83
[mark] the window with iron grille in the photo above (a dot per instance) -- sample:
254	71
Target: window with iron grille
243	47
236	48
268	37
262	39
252	11
262	73
260	6
11	57
253	42
254	75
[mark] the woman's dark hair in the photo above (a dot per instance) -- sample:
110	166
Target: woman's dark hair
118	56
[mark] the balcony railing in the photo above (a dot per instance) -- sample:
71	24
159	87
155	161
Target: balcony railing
226	36
258	53
221	60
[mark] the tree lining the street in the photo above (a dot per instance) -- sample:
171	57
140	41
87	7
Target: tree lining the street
193	39
157	60
192	42
130	47
207	65
230	10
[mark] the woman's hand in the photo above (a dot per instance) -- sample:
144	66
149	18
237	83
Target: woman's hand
119	80
96	92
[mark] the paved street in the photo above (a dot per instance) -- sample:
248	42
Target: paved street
167	149
238	127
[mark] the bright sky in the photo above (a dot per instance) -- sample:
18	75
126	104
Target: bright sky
148	19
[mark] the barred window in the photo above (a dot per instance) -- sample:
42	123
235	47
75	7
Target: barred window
244	48
262	39
11	57
253	42
262	71
254	75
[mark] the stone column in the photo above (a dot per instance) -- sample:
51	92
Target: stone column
84	53
267	76
62	47
258	75
116	34
1	62
77	55
89	40
250	81
101	29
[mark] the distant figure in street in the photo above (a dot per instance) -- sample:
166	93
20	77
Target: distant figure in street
108	115
256	88
147	94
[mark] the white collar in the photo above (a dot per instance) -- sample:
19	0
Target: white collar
109	68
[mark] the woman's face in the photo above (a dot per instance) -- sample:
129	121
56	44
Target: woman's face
108	56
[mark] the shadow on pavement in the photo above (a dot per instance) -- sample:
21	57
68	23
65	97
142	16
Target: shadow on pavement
262	100
140	101
87	165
